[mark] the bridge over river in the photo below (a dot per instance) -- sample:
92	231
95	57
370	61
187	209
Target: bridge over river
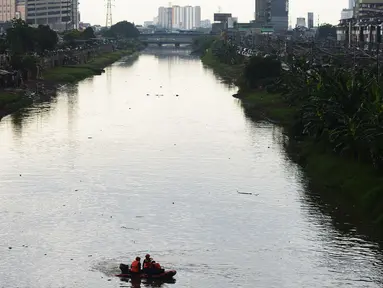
169	38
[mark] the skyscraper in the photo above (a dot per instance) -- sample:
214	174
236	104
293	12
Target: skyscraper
7	10
260	11
59	15
310	20
163	17
280	15
351	4
177	17
272	13
169	18
196	17
188	18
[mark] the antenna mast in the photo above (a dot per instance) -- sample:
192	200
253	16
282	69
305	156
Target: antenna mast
109	22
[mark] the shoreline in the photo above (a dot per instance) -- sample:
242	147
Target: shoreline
14	99
352	188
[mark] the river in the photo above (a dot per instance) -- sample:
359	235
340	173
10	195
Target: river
154	156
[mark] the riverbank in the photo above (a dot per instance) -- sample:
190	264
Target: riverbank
75	73
352	187
12	100
228	73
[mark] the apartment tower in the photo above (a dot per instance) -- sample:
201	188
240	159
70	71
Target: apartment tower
310	20
60	15
7	10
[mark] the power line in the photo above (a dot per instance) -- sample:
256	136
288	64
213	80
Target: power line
109	21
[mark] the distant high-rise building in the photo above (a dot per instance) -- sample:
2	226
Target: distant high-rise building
279	15
310	20
260	11
162	17
196	17
351	4
59	15
177	17
188	18
272	13
7	10
301	22
169	18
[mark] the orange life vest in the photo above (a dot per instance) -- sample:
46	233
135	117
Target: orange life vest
135	266
147	264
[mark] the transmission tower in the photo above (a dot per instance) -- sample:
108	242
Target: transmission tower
109	22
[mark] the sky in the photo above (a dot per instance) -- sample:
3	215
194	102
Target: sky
94	11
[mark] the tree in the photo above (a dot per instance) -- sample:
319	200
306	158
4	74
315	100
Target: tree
72	36
46	38
326	30
88	33
20	37
123	29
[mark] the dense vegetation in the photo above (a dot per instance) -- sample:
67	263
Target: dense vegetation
326	30
122	29
338	107
22	39
202	43
74	35
333	115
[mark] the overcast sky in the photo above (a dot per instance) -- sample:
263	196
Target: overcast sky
94	11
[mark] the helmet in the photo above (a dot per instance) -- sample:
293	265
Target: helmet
147	256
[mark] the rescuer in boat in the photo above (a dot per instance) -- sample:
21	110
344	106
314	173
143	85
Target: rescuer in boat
156	268
147	264
135	268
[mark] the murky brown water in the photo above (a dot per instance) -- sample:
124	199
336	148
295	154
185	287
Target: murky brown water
104	173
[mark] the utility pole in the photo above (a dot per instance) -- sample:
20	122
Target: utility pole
109	22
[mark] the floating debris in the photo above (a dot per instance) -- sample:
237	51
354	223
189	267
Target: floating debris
246	193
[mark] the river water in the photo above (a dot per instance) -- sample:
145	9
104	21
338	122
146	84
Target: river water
119	165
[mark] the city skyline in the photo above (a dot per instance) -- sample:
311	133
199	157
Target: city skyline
179	17
327	10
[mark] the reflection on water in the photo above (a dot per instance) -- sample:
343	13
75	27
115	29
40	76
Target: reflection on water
137	282
108	170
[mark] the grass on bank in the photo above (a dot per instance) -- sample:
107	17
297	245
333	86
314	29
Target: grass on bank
8	98
12	101
228	73
355	187
73	73
270	106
